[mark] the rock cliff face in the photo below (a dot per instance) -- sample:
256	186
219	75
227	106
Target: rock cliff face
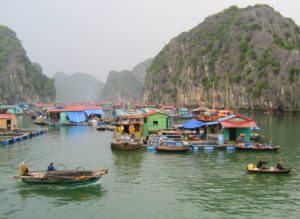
77	87
125	85
21	80
255	49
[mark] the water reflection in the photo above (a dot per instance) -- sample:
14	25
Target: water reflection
128	162
62	194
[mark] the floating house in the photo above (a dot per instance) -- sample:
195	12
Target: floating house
235	125
8	122
72	115
14	109
184	113
197	111
154	121
66	117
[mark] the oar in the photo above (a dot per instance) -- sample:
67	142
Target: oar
61	164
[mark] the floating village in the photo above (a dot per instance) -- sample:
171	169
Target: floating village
161	129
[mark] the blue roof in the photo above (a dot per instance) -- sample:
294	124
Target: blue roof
76	116
192	124
94	111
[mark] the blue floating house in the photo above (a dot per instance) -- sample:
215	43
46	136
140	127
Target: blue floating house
14	109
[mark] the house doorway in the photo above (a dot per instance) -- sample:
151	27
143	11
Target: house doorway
232	134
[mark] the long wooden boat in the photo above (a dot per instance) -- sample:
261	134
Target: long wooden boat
264	147
126	145
101	128
270	171
63	177
172	148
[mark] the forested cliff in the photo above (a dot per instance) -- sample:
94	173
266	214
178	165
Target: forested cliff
255	49
20	79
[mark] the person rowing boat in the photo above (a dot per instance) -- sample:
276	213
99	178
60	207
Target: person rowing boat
261	164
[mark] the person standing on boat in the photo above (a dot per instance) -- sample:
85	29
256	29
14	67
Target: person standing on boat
241	139
279	164
23	169
51	167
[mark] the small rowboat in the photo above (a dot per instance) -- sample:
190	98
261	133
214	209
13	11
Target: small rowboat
264	147
63	177
270	171
169	148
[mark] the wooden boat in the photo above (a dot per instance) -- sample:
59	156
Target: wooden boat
101	128
270	171
63	177
126	145
41	123
260	147
172	148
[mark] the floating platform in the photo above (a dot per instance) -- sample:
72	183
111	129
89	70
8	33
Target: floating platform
7	138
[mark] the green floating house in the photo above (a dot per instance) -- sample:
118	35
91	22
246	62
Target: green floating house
236	125
153	122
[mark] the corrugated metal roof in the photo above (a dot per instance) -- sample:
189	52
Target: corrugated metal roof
7	116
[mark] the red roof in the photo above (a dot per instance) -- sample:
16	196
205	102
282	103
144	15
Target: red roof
66	110
74	109
7	116
238	122
152	112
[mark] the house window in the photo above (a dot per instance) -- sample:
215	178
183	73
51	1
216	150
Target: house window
155	123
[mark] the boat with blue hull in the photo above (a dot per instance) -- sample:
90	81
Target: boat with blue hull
257	147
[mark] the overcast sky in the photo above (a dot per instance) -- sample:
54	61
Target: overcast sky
97	36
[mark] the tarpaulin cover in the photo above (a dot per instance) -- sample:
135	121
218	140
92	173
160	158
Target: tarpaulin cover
76	116
192	124
94	111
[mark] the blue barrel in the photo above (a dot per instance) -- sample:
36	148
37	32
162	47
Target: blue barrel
208	148
221	139
195	148
150	148
230	148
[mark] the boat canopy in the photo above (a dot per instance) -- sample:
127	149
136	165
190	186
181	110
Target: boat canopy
94	111
76	116
192	124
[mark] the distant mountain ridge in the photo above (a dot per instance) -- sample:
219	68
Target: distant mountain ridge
78	87
255	49
125	85
20	79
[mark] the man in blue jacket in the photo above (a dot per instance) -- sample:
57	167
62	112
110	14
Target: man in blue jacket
51	167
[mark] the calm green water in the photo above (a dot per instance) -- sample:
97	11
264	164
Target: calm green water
150	185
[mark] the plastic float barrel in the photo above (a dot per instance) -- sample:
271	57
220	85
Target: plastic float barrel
208	148
230	148
250	166
151	149
220	139
4	142
195	148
